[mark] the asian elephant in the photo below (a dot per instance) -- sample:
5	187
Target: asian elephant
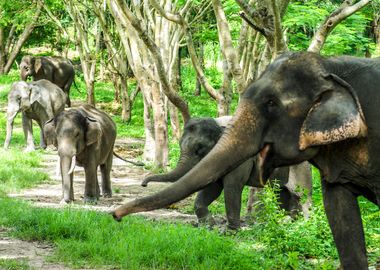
56	69
84	136
199	136
40	101
303	107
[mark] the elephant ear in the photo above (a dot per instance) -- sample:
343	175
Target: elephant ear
35	94
37	65
49	132
93	132
335	116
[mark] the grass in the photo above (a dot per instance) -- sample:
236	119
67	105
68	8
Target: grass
18	170
14	264
90	239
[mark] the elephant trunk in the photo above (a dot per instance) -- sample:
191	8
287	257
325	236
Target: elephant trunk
10	119
237	144
184	165
24	76
67	188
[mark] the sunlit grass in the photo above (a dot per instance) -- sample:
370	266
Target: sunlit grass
18	170
14	264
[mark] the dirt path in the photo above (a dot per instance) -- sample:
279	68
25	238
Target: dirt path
126	179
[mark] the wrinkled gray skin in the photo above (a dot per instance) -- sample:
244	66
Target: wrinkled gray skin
58	70
39	101
303	107
84	136
199	137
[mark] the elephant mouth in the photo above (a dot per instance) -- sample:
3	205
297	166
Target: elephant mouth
262	156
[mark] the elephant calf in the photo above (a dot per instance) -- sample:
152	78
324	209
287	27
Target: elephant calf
199	137
84	136
40	100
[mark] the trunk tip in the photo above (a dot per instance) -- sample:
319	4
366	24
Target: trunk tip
144	184
115	216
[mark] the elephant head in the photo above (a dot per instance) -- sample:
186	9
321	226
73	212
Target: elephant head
29	66
71	132
20	98
199	137
297	105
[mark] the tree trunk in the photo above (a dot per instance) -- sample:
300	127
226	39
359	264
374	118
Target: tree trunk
198	85
149	146
2	52
160	127
125	101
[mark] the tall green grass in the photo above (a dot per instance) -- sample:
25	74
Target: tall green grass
90	239
18	170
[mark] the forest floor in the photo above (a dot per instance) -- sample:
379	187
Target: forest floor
126	179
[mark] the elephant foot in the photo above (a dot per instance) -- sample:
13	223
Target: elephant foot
90	200
29	149
65	201
234	227
107	194
208	221
227	230
43	146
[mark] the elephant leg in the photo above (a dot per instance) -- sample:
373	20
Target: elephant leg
233	187
204	198
91	189
232	198
105	170
289	201
28	132
42	137
343	214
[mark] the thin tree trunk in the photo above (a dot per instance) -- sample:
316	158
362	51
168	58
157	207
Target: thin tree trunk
198	85
125	102
2	52
22	39
149	146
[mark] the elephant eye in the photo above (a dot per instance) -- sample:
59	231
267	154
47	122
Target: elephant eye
271	103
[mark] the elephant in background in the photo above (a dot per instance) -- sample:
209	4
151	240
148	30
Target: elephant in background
58	70
199	137
84	136
303	107
40	100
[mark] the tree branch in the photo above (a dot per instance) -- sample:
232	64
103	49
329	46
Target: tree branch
344	11
172	96
190	44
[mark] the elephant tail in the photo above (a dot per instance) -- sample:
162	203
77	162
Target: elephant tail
76	86
138	163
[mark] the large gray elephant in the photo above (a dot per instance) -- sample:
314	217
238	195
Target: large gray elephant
199	136
40	101
84	136
56	69
303	107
